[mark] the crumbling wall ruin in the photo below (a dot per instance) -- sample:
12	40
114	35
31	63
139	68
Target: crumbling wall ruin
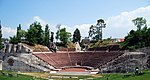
126	63
17	57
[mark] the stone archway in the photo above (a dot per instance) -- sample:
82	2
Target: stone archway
10	62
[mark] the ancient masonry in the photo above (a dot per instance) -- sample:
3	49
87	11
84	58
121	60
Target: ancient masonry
19	58
127	62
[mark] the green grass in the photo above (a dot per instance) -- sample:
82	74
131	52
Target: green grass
114	76
8	75
145	76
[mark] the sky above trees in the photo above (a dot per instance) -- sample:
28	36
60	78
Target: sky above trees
81	14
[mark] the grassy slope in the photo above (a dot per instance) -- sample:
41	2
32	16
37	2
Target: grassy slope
145	76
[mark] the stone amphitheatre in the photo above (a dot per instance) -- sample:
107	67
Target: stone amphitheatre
24	58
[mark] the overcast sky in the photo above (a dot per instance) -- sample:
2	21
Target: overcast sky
72	14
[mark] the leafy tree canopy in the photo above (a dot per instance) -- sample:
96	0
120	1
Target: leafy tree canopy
95	31
63	35
35	34
139	38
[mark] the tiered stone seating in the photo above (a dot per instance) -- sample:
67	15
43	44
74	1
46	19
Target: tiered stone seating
92	59
45	58
77	58
41	51
61	59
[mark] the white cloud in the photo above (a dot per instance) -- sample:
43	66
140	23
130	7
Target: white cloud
84	28
7	32
38	19
116	26
120	25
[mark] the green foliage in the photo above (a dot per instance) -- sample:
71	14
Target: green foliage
76	36
1	46
9	75
120	76
139	38
35	34
63	35
14	40
46	37
17	39
95	32
139	22
22	33
18	34
52	37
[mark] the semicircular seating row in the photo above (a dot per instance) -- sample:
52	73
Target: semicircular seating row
92	59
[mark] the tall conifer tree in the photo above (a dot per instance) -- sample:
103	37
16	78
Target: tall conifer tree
76	36
1	46
46	38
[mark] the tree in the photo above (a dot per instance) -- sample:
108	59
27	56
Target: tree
147	43
22	34
14	40
17	38
35	34
139	38
76	36
18	29
63	36
52	37
31	35
46	38
96	31
139	22
18	34
1	46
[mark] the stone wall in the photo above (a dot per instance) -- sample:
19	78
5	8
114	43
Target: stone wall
15	48
19	66
126	62
24	64
17	57
147	51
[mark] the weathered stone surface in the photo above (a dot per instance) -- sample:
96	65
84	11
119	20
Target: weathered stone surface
127	62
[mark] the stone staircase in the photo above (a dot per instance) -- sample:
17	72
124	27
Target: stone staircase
35	62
